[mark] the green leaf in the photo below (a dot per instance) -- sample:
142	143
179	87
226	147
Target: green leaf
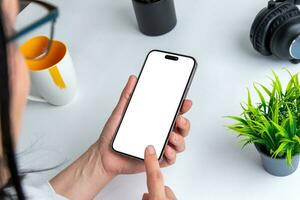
261	96
295	79
277	83
265	89
297	138
249	98
292	123
289	86
289	156
272	99
275	112
291	82
239	119
245	142
285	123
285	140
281	130
279	150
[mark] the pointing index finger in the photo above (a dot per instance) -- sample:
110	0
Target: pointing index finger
155	180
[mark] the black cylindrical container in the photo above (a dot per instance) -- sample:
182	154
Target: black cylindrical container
155	18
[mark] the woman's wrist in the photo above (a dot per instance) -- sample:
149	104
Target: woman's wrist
84	178
92	168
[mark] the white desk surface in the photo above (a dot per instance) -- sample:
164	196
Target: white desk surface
107	47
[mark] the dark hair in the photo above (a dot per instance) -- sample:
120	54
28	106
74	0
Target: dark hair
9	157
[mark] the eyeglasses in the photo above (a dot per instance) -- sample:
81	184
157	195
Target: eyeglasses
38	19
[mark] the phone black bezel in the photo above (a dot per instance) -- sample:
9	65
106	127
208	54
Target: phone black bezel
178	109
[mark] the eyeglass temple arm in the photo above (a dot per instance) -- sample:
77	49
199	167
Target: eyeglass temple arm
46	5
50	17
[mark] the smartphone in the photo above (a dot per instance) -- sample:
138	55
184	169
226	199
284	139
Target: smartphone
149	118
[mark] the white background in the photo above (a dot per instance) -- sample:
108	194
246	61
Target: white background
154	104
107	47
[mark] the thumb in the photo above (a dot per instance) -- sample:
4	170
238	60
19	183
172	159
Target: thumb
124	98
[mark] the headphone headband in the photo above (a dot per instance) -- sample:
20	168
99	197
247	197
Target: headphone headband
296	2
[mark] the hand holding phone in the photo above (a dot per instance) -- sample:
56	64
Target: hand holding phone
150	116
113	163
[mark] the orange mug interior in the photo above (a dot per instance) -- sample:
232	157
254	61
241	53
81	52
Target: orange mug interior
35	46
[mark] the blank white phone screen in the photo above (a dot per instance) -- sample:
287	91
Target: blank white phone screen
154	104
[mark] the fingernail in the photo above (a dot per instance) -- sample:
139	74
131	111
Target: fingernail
150	150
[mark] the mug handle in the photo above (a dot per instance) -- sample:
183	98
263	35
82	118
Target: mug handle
36	99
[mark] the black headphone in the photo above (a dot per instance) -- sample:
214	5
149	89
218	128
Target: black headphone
276	30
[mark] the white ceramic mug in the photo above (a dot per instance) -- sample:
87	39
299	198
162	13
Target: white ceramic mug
53	77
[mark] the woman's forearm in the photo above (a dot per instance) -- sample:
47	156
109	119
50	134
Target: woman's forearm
84	178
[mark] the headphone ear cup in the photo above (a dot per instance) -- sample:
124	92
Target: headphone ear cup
256	22
283	38
280	20
262	23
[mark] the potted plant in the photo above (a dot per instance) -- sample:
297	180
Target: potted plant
155	17
273	125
